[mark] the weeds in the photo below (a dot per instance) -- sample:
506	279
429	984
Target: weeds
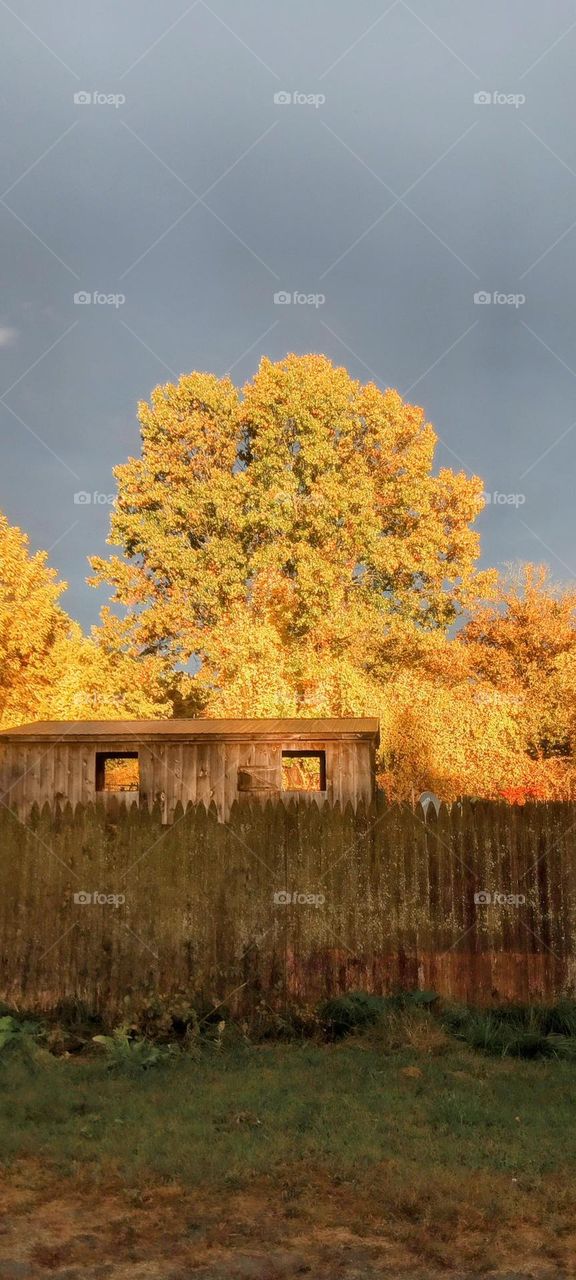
352	1012
131	1055
18	1037
358	1010
517	1031
420	1020
161	1029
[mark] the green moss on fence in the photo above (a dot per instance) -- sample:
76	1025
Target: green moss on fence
286	904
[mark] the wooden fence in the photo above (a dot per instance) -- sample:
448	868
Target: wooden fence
287	904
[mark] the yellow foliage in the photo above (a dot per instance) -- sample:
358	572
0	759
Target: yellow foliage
292	539
49	670
289	551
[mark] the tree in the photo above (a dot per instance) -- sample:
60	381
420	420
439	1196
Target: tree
450	737
90	680
524	644
31	623
48	668
291	540
522	648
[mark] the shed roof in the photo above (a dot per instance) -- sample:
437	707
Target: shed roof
272	730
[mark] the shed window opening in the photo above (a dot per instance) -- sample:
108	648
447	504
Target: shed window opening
117	772
303	770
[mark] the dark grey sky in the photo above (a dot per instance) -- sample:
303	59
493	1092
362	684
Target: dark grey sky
199	197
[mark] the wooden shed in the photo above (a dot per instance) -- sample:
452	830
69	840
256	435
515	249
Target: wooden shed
167	761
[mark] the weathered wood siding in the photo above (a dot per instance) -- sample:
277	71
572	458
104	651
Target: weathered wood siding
36	773
181	772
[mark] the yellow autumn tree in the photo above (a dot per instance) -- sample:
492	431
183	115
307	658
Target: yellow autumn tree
48	668
453	737
87	680
490	711
291	540
31	623
522	649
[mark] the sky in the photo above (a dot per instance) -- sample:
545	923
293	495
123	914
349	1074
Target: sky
195	186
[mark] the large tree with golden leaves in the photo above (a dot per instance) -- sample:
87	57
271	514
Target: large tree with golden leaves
292	538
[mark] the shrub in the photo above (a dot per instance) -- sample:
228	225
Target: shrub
18	1036
519	1031
358	1009
162	1018
129	1055
351	1012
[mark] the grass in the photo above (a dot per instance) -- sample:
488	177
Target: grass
401	1129
520	1031
249	1110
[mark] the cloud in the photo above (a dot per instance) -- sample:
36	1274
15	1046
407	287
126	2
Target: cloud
8	336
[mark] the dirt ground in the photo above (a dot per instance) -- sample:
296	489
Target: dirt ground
325	1232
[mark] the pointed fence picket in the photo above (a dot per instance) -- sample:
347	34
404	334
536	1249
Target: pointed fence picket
286	904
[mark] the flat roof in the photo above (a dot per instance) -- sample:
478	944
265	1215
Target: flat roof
270	730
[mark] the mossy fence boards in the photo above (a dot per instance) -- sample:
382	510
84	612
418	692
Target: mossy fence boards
287	903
